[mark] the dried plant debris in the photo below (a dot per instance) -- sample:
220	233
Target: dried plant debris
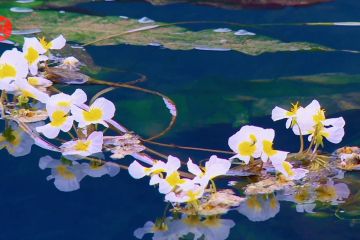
124	145
217	203
29	116
267	186
349	158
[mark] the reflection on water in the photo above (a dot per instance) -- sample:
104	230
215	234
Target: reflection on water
315	198
237	4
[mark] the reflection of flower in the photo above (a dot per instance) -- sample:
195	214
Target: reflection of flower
67	174
303	196
211	228
98	170
333	193
16	141
260	207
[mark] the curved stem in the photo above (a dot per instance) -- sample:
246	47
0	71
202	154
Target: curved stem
188	148
164	97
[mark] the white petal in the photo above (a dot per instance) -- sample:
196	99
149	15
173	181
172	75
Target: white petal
58	43
335	134
278	113
107	106
136	170
193	168
78	97
48	131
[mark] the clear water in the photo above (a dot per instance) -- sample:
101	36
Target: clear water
209	88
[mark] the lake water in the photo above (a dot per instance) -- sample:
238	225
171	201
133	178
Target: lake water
216	93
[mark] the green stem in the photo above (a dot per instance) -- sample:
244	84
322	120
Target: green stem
301	140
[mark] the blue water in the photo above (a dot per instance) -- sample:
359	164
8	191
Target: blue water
206	86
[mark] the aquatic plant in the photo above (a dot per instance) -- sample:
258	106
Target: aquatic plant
84	130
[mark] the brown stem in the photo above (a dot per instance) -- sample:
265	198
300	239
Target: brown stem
188	148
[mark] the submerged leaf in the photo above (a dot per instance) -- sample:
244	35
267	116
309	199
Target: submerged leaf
85	29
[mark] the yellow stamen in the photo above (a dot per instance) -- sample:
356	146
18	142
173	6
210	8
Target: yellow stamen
295	107
174	179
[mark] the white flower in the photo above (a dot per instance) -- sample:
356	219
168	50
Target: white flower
137	171
213	168
99	112
84	147
59	121
288	171
188	192
57	43
12	66
172	178
259	208
267	138
39	82
246	143
33	51
65	101
23	88
67	176
280	113
312	121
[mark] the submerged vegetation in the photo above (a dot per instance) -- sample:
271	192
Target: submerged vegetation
83	132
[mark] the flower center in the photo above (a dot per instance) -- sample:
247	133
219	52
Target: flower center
174	179
64	172
82	145
267	145
58	118
93	115
7	71
32	55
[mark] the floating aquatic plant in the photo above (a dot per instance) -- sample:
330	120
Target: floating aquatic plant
82	130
